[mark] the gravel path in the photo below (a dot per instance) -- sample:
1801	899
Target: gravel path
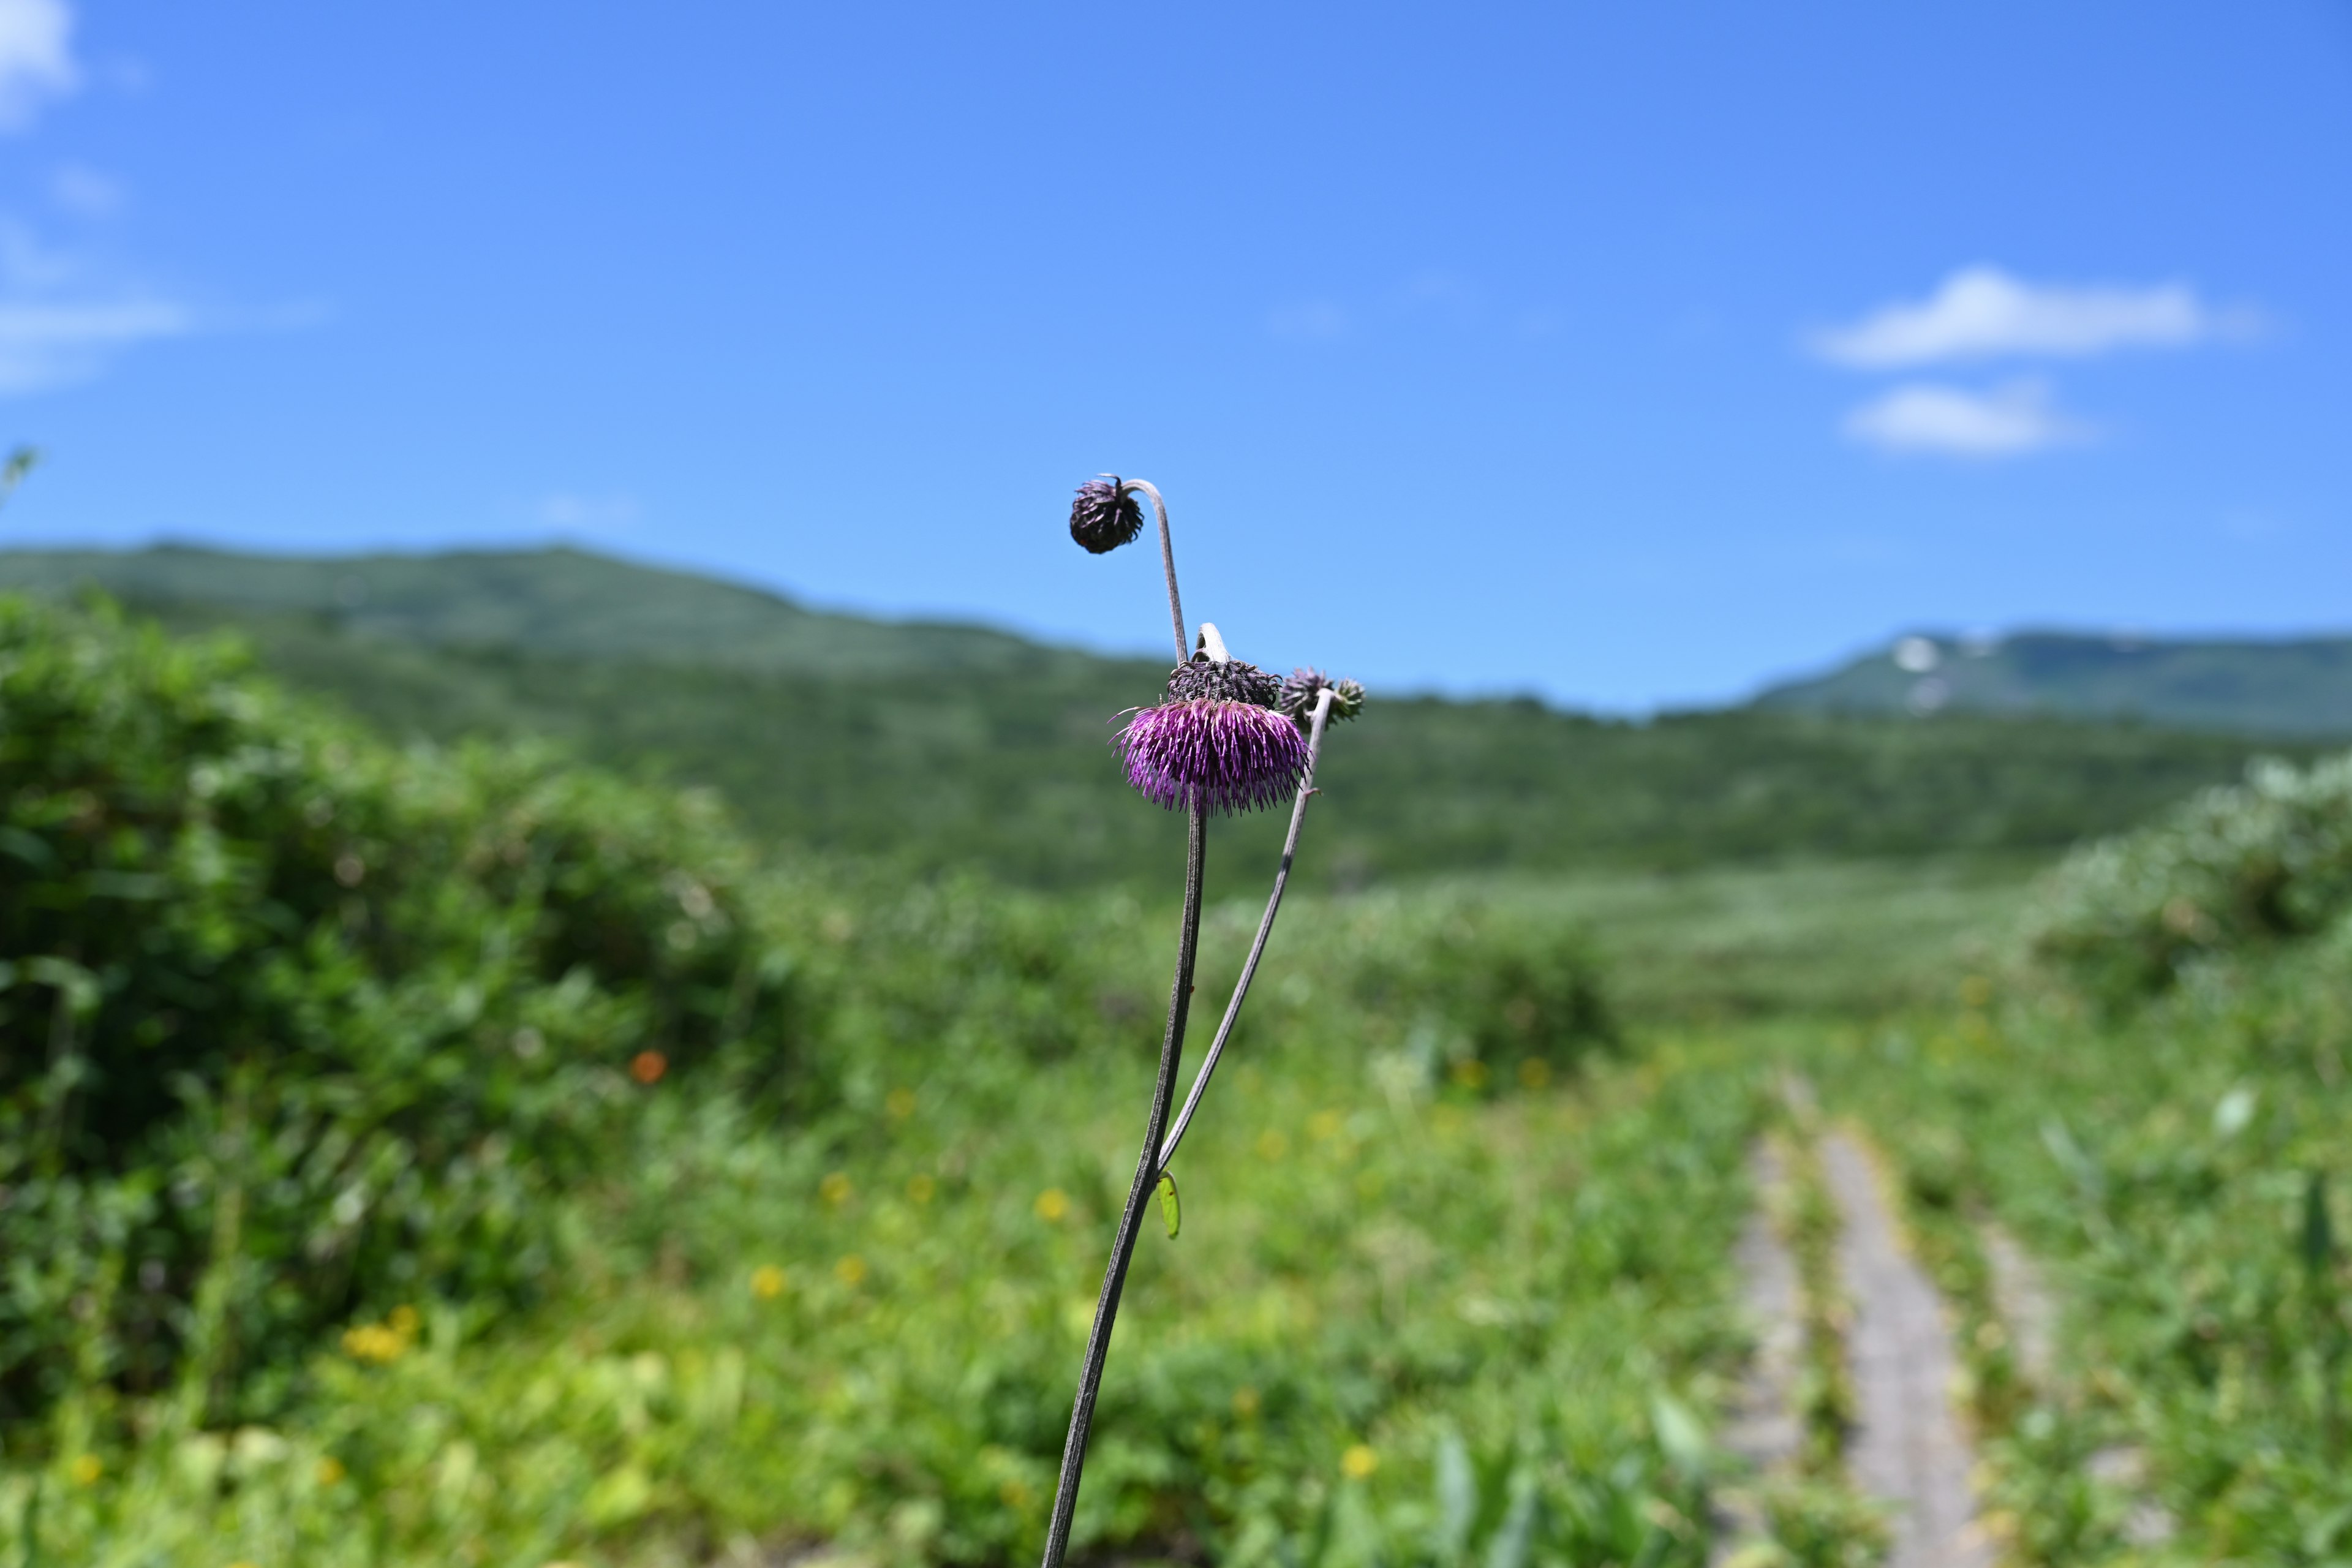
1909	1450
1764	1430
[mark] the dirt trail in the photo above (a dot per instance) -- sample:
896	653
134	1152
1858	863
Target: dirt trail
1909	1450
1764	1429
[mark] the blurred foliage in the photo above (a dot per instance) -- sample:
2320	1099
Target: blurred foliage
2180	1170
269	986
418	1156
2231	870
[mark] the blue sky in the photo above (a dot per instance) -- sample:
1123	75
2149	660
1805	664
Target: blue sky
1628	354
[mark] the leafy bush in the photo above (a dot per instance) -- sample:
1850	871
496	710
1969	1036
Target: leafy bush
315	1020
1486	994
2232	869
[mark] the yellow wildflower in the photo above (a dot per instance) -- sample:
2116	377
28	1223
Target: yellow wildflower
767	1282
1323	1126
850	1270
1052	1206
1358	1462
1272	1145
85	1469
921	1188
330	1470
374	1343
834	1189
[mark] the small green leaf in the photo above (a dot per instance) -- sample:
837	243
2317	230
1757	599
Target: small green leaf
1169	1208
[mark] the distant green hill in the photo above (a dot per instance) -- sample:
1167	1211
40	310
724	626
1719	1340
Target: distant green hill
2288	687
560	602
942	745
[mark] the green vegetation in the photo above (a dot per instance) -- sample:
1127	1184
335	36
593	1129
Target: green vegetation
925	748
414	1157
2300	686
2234	870
433	1152
2167	1130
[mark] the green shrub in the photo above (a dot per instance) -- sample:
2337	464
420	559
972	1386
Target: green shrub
272	992
2231	869
1489	995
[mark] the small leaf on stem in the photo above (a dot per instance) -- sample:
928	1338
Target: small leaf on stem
1169	1209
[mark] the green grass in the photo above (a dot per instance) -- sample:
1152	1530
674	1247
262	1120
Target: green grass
1381	1281
2166	1167
414	1156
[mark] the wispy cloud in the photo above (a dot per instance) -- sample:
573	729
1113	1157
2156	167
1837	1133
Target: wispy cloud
1982	312
586	513
64	318
84	192
47	345
37	62
2006	421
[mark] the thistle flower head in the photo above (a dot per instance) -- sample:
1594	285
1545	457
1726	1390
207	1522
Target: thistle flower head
1234	680
1103	518
1301	686
1217	740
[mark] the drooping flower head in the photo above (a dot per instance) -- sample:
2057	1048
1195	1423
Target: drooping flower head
1102	518
1217	740
1301	686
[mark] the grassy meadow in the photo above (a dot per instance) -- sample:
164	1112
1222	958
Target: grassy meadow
417	1147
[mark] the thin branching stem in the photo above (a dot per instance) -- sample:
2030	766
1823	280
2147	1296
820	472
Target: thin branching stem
1147	1174
1167	563
1265	930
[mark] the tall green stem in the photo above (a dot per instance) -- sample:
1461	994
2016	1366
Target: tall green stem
1167	563
1264	929
1147	1179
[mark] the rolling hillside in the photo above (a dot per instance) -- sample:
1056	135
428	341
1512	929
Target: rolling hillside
933	746
2284	687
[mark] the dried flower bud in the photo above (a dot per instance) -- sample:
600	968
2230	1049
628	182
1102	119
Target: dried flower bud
1235	680
1301	686
1102	519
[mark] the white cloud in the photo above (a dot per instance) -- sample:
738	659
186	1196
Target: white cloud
1982	312
2007	421
37	62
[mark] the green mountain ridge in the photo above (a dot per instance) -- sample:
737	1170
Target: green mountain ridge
558	601
2282	685
927	748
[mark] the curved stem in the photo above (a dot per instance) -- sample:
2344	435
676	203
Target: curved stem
1265	930
1167	563
1147	1178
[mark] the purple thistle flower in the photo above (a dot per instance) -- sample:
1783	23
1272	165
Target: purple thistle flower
1230	756
1102	519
